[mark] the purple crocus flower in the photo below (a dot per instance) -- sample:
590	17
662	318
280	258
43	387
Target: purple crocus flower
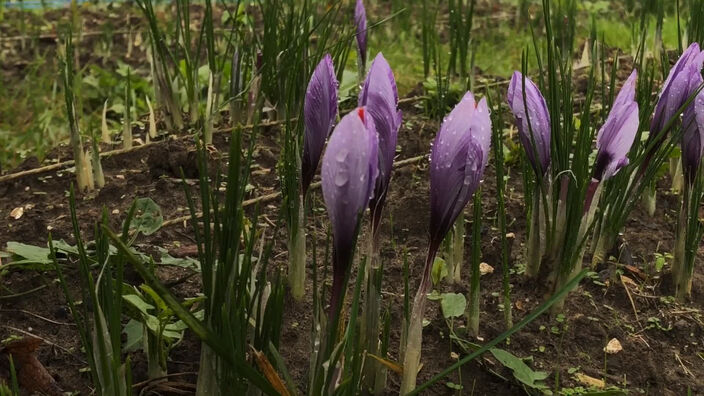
457	160
675	90
692	143
616	136
360	21
380	96
319	113
535	110
349	171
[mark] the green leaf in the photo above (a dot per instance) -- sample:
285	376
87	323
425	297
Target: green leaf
521	371
160	304
453	305
348	85
30	254
137	302
148	218
439	271
185	262
659	262
134	331
454	386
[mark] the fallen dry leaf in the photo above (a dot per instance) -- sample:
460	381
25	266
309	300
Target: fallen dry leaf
485	268
32	375
17	212
614	346
270	373
629	281
184	251
636	271
589	381
393	366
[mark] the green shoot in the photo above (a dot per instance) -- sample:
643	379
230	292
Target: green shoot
84	174
473	306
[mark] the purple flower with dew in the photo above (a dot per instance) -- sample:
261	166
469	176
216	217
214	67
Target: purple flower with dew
535	137
675	91
349	171
360	21
457	160
380	97
319	114
692	143
615	138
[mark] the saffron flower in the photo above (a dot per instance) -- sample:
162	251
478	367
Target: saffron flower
533	120
360	21
692	143
614	141
616	136
380	96
457	160
688	232
349	171
319	114
675	90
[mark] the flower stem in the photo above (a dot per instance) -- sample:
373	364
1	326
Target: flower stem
676	175
473	306
606	240
535	245
683	283
370	323
455	275
297	258
650	199
414	337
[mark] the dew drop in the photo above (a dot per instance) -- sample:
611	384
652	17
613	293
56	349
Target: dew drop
341	178
341	155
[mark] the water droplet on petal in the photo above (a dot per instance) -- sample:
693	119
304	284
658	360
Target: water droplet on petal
341	155
341	178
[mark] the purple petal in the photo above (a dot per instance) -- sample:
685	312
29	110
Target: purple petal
380	97
616	136
349	172
457	160
360	20
692	143
539	120
319	113
675	90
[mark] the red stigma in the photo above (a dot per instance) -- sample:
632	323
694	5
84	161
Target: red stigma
360	112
